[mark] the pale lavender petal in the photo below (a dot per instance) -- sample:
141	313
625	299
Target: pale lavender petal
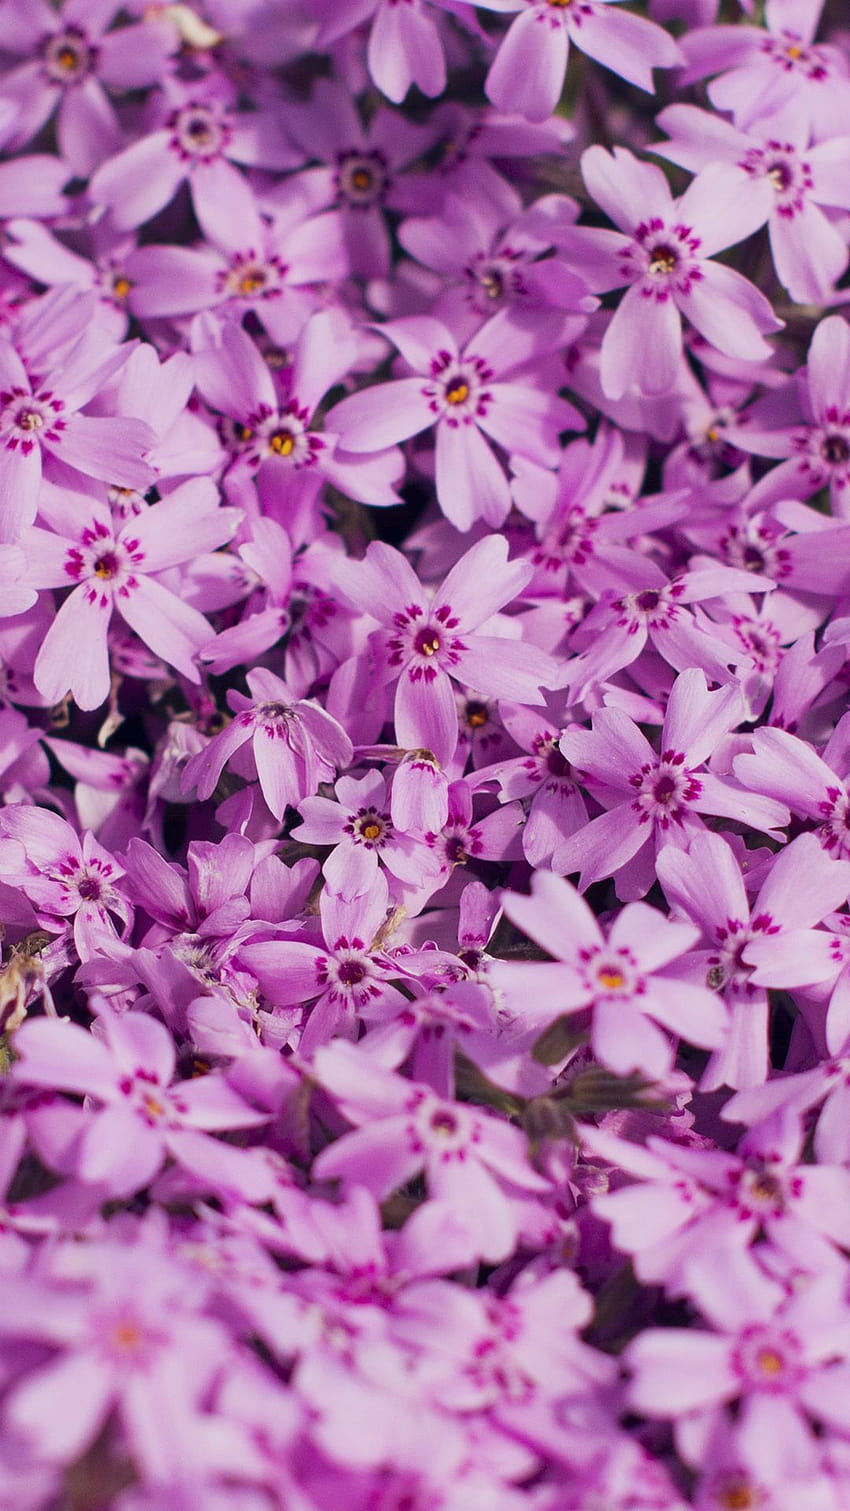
705	882
809	253
471	483
724	205
380	416
72	1393
805	883
642	347
528	421
112	448
527	74
172	629
74	656
120	1151
138	182
276	770
694	1012
405	48
829	365
629	45
379	1157
87	127
426	715
603	846
221	198
380	584
286	970
730	312
20	481
628	190
470	1190
506	668
64	1056
677	1370
787	769
483	581
555	916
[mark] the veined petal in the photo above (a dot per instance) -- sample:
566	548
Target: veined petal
528	421
74	656
527	74
555	916
112	448
471	483
730	312
628	190
380	416
426	715
642	347
173	629
506	668
629	45
483	581
138	182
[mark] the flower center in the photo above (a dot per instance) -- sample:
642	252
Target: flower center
351	972
476	715
126	1337
664	259
737	1495
610	978
67	57
444	1124
491	279
835	450
428	642
198	132
283	442
252	281
665	789
107	565
89	888
647	600
361	179
780	176
458	392
30	419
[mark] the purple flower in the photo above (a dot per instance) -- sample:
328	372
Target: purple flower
466	394
400	1129
809	252
112	566
619	978
40	421
144	1115
428	640
528	72
662	251
295	744
653	800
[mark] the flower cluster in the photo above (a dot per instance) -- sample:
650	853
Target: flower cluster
424	756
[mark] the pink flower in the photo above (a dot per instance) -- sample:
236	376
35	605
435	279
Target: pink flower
466	394
428	640
109	566
620	978
528	72
144	1116
468	1157
295	744
662	251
